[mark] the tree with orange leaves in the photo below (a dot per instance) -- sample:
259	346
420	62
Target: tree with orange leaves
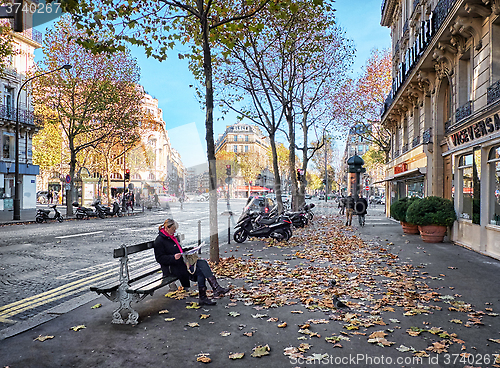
365	97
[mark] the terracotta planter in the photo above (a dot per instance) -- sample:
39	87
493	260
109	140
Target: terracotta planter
432	233
409	228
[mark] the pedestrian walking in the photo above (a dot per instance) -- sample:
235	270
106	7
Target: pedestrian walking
50	197
342	205
361	206
157	201
349	209
169	254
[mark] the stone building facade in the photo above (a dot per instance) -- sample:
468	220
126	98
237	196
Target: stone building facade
11	80
444	111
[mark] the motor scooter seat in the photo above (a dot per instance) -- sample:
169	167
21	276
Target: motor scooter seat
45	211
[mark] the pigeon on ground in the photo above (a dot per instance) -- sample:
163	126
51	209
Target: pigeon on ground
338	303
333	282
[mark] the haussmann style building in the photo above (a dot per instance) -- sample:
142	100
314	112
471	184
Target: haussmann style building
444	111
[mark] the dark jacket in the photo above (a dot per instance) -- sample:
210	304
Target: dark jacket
165	249
361	204
349	202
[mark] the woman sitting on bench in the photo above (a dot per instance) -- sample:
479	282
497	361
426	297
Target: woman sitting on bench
168	253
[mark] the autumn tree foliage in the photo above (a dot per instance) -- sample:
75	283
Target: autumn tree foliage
96	102
160	25
365	97
279	75
7	46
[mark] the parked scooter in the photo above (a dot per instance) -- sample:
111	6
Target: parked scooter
307	210
85	212
44	215
100	208
249	225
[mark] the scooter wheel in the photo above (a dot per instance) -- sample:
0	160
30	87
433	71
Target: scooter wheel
240	236
39	220
79	217
102	215
310	216
60	219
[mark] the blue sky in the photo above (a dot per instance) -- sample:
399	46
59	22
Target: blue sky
169	81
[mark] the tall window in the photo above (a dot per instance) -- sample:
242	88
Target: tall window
495	51
469	167
494	167
466	173
464	79
8	145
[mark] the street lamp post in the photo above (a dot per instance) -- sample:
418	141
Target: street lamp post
17	183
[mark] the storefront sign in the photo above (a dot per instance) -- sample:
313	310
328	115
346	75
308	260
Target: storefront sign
401	168
476	130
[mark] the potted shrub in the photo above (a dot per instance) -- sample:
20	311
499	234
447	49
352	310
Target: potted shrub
398	212
433	215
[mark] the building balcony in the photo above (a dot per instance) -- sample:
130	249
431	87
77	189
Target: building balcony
427	136
463	111
404	149
493	93
428	31
415	142
25	117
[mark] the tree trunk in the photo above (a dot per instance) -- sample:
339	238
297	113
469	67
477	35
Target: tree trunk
212	167
291	158
277	177
71	193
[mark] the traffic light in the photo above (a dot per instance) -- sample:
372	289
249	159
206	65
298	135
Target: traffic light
228	170
127	174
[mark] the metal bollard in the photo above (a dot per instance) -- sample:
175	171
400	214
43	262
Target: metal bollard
199	236
229	229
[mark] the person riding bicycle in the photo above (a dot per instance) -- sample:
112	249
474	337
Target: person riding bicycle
361	207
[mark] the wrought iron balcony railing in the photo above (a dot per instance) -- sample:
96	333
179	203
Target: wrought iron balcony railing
25	116
428	30
493	92
463	111
427	136
415	142
405	148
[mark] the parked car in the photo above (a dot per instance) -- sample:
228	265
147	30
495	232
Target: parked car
164	199
203	197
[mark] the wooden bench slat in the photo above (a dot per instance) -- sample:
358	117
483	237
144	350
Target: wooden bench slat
112	285
150	285
131	249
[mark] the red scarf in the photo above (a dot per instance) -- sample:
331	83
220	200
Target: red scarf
164	232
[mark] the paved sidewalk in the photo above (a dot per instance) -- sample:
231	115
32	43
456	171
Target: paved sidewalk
455	295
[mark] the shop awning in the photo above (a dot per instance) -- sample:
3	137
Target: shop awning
252	189
410	174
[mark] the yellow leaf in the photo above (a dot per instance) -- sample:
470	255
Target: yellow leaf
204	316
193	324
260	351
236	356
225	333
193	305
96	306
203	359
76	328
169	319
43	338
282	325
